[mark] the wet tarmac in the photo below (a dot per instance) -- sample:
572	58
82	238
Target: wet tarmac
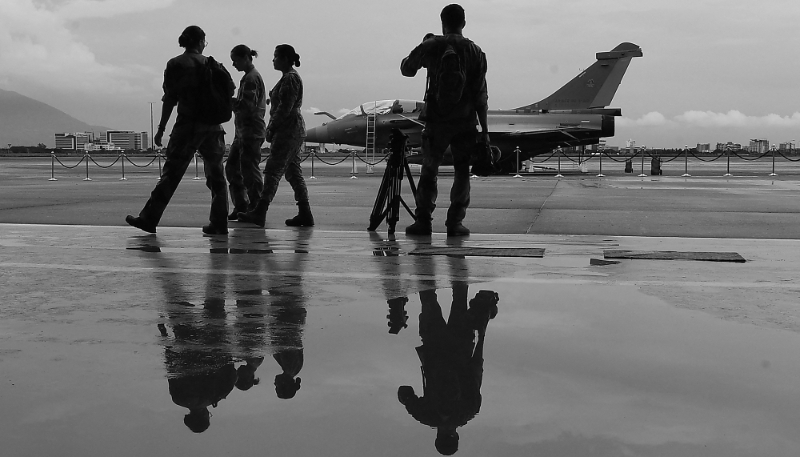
315	342
651	316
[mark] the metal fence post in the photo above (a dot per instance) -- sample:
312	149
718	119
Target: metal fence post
642	175
728	154
686	161
516	150
52	166
123	178
196	171
559	175
86	157
773	161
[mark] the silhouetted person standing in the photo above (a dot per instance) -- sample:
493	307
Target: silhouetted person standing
455	101
285	132
452	363
249	108
181	84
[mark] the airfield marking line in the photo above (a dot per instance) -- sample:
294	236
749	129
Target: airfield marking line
474	279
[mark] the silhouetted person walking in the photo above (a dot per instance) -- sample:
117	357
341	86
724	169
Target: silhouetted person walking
455	101
285	132
249	108
182	79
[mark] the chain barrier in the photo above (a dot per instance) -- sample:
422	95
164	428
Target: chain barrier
372	163
128	159
107	166
790	160
541	159
707	161
750	160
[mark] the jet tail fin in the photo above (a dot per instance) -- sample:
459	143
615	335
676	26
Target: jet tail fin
594	87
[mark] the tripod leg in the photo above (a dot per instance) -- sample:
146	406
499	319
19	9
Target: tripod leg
394	200
379	209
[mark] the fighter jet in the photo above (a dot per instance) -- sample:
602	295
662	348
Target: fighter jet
574	115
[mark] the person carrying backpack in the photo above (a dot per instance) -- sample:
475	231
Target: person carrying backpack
202	90
456	100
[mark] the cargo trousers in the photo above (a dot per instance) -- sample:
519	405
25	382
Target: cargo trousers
461	138
185	139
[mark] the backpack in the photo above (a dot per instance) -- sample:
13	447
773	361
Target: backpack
446	86
215	93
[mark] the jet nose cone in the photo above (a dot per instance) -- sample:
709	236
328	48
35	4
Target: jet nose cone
317	134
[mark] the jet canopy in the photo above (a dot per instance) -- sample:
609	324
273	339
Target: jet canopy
381	107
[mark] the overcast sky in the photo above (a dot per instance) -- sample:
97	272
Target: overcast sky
712	71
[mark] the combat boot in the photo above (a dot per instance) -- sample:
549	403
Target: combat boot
457	229
421	227
304	217
257	215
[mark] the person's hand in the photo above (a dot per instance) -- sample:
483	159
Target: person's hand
158	137
484	138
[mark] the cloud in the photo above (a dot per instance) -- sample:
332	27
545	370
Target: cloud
38	49
650	119
79	9
735	118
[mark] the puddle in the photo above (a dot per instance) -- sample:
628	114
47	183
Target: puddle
250	365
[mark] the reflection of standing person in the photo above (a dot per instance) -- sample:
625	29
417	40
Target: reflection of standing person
452	126
249	107
285	132
452	363
181	83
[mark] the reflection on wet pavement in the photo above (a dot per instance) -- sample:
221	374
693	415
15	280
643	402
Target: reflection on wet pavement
315	343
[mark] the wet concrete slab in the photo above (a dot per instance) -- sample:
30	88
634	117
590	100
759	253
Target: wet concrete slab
114	342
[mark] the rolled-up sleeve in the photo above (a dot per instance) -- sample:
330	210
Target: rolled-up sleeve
171	81
481	90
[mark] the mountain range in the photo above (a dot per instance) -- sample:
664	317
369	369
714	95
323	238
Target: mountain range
28	122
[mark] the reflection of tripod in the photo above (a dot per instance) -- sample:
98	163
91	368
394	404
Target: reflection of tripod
387	203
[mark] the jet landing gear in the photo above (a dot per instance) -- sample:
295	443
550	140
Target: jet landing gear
387	203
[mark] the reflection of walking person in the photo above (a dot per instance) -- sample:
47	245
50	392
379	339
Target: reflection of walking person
285	132
250	106
189	134
452	363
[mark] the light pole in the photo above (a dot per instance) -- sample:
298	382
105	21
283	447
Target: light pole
152	141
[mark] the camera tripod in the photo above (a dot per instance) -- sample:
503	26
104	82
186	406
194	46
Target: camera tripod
387	203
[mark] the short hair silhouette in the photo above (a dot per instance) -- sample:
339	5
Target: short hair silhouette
446	442
453	16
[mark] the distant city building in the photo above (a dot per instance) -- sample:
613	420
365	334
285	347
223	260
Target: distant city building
703	147
128	139
787	147
729	145
66	141
758	146
108	140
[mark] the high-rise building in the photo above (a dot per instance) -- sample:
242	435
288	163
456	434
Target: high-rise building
758	146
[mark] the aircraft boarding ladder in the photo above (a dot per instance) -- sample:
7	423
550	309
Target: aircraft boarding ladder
369	150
